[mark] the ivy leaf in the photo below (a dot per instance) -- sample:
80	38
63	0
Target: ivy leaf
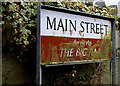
14	24
31	3
2	22
29	25
35	6
97	13
15	31
11	48
32	11
27	15
28	10
20	59
23	30
29	32
15	15
23	37
18	41
3	8
13	7
23	12
20	20
9	17
26	42
5	3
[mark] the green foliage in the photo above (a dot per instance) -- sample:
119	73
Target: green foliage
23	17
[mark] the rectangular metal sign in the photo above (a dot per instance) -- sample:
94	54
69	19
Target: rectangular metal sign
73	37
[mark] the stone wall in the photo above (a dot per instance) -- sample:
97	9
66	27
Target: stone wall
13	71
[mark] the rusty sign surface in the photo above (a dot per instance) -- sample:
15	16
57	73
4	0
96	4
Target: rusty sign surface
73	37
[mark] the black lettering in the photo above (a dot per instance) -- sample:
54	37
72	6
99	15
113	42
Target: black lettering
49	23
97	29
101	29
106	29
87	25
82	26
92	27
60	24
65	24
72	25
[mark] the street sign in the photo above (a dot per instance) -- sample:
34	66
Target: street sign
67	37
73	37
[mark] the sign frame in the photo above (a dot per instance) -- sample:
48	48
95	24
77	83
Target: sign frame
39	66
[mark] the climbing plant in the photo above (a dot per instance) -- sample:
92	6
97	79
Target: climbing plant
22	17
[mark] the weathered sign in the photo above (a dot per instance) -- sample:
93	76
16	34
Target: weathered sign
73	37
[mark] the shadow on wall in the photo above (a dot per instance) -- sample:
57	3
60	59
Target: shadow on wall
15	72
